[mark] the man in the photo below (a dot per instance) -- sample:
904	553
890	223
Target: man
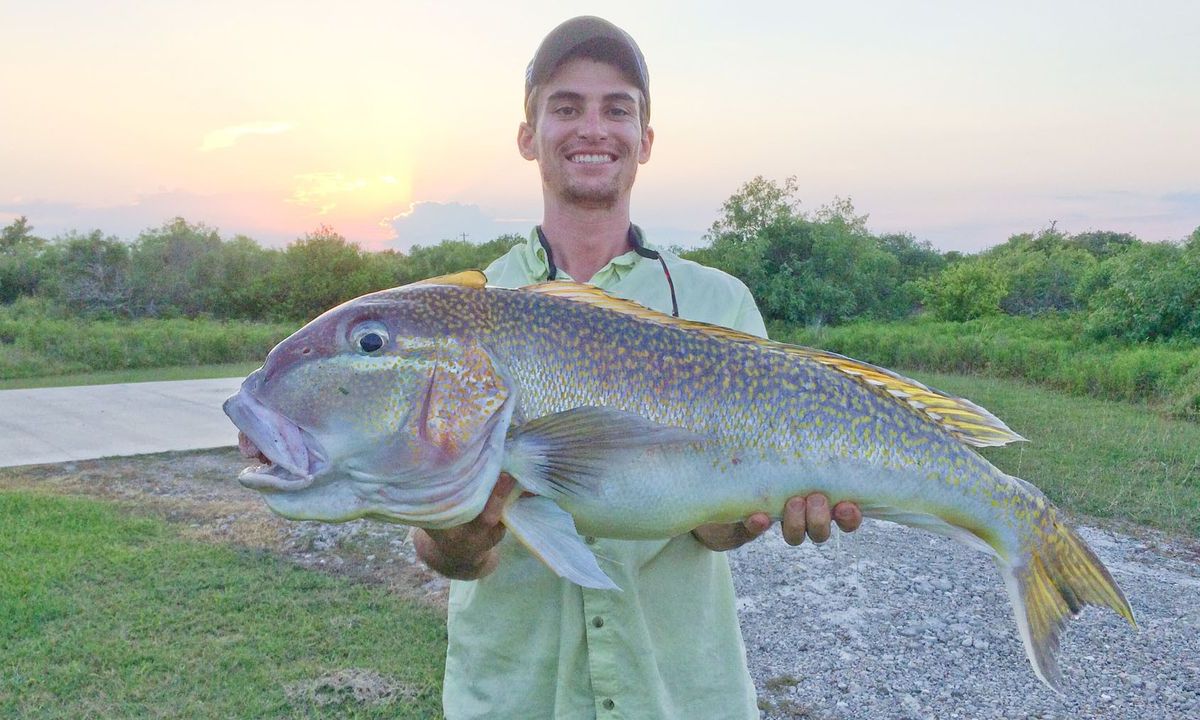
524	643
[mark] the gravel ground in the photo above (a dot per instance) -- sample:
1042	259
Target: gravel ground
892	622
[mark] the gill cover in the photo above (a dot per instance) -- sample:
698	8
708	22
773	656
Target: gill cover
456	436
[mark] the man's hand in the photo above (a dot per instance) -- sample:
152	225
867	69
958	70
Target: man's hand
801	516
468	551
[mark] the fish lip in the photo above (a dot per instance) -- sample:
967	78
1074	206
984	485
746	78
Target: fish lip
293	457
259	477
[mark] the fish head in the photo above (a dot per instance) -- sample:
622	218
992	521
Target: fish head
371	411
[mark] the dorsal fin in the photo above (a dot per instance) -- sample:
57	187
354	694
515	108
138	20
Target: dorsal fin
466	278
964	419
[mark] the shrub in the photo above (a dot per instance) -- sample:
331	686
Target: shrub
966	290
1149	292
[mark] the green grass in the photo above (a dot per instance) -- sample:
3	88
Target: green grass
1102	458
35	346
105	615
194	372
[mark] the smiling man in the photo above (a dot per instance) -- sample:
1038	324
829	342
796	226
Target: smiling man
524	643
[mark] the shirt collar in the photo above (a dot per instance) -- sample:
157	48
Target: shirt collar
538	260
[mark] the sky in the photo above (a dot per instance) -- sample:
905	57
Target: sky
394	123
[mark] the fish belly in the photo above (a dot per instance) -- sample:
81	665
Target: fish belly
659	493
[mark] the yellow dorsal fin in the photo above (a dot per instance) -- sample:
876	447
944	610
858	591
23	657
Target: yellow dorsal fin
466	278
964	419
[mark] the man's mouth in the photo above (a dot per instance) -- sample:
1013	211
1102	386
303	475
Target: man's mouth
592	158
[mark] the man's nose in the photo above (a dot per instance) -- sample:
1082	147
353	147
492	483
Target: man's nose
591	125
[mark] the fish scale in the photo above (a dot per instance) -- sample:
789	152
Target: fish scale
767	401
627	423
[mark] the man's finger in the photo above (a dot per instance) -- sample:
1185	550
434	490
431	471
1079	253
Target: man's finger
756	525
817	518
494	508
847	515
794	525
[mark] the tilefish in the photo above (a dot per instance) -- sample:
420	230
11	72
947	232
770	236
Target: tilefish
617	421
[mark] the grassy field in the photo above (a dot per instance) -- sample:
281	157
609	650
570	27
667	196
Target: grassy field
1103	458
106	615
36	345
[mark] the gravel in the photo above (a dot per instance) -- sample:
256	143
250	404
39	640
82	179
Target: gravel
891	622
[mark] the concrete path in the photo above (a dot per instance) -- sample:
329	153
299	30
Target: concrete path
48	425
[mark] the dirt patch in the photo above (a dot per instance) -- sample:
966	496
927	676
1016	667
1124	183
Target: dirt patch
198	492
351	686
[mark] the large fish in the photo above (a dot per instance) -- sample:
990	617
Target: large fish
405	405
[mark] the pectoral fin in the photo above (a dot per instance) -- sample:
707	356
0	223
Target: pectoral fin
566	453
548	532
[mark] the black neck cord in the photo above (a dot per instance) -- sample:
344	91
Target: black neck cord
635	241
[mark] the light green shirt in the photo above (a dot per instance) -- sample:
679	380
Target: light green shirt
524	643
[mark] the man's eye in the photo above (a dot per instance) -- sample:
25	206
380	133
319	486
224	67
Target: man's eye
565	111
620	112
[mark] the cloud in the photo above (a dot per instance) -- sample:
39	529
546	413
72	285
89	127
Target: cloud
1150	217
1169	216
1185	202
229	136
428	223
228	212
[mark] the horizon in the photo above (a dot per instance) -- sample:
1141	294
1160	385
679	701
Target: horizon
394	123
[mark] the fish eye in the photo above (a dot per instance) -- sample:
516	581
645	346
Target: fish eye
369	337
370	342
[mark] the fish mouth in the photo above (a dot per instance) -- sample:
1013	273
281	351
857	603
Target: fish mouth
269	475
290	458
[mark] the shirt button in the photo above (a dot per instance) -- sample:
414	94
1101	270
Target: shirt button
598	622
608	704
590	540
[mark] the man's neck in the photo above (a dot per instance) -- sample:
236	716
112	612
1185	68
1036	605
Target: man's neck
584	240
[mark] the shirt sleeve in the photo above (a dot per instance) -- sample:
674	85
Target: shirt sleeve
748	318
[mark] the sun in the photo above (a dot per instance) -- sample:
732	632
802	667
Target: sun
355	204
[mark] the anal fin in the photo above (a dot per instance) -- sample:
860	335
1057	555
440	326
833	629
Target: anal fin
548	532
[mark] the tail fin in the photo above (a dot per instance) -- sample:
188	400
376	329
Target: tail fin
1050	587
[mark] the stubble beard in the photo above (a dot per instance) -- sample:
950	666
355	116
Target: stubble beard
592	197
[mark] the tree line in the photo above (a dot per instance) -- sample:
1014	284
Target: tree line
826	268
814	269
187	270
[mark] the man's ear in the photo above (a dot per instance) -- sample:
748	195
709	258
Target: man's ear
525	144
647	142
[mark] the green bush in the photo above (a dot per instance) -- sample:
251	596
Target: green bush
824	268
1149	292
965	291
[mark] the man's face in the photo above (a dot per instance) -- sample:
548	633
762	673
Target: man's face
588	139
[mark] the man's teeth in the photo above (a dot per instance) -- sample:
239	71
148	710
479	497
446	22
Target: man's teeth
591	158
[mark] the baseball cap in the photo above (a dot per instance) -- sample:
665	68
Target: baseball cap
601	38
